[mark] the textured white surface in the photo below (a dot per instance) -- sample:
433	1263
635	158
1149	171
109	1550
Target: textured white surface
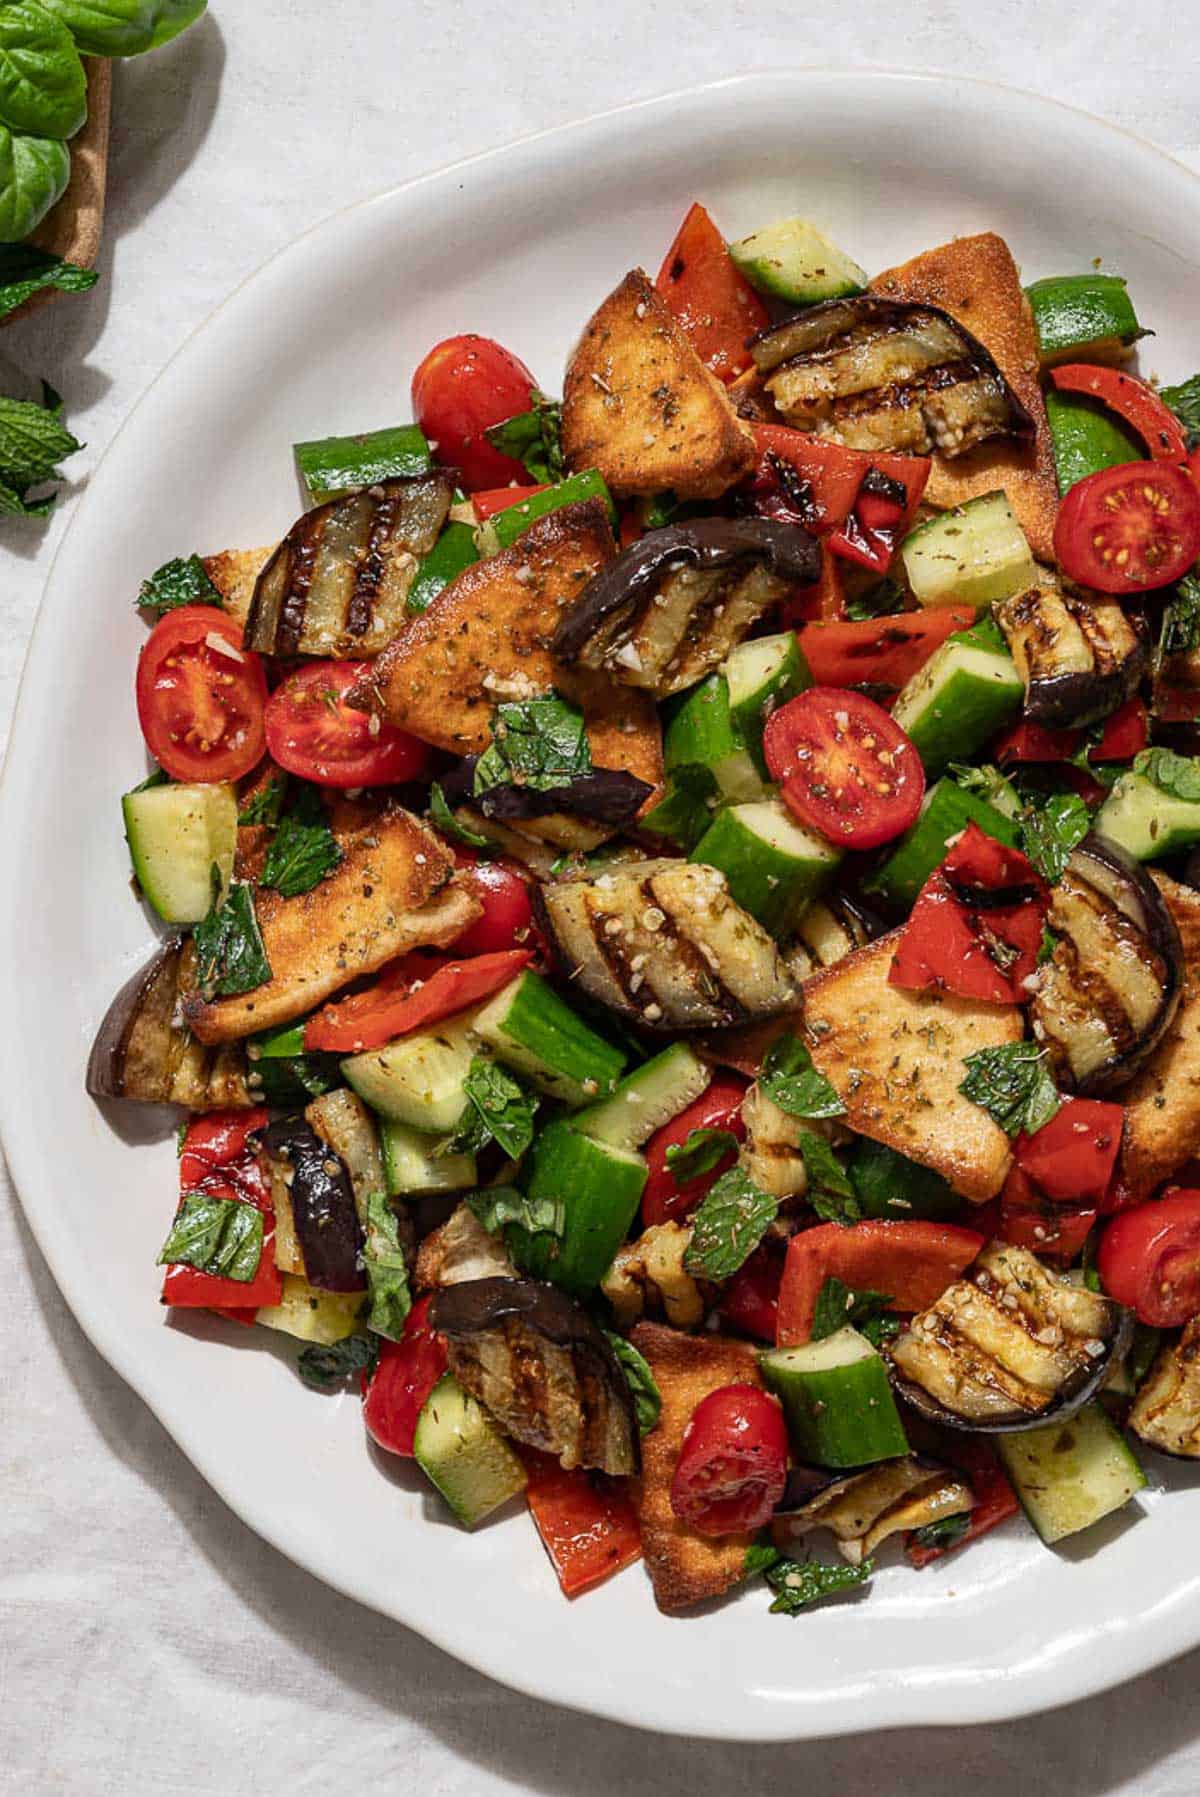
150	1643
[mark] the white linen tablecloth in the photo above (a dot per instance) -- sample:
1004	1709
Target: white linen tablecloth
149	1643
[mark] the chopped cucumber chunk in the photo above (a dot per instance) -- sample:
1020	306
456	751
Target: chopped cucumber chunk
600	1186
973	555
793	260
529	1028
837	1401
417	1080
762	675
1147	822
415	1162
1070	1475
773	865
961	697
459	1448
647	1098
177	835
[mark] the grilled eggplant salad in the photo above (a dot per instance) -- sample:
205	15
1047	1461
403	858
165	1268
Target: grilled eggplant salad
682	918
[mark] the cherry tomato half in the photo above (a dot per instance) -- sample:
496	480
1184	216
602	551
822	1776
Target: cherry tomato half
507	920
1149	1259
1129	529
463	387
668	1200
405	1374
846	769
312	733
201	696
732	1464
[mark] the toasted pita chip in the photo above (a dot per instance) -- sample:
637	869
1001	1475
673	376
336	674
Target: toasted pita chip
1162	1101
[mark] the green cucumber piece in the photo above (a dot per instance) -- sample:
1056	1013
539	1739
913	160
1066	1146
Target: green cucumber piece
530	1029
773	865
793	260
965	693
1087	318
685	810
502	530
701	733
836	1400
888	1184
414	1162
459	1448
1086	438
948	810
453	551
761	676
600	1186
1145	821
331	466
647	1098
973	555
1070	1475
417	1080
310	1314
177	835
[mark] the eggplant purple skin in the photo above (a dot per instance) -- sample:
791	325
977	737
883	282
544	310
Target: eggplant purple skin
1070	701
106	1063
603	796
788	550
1072	1399
327	1226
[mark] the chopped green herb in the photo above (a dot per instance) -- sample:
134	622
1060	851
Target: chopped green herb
386	1266
179	582
830	1191
643	1387
838	1305
499	1206
501	1111
728	1226
449	825
266	804
221	1236
324	1368
26	270
799	1583
1176	775
944	1532
881	601
701	1152
1181	618
989	784
229	945
760	1557
533	438
303	850
791	1081
1012	1084
1051	831
33	441
1184	401
535	742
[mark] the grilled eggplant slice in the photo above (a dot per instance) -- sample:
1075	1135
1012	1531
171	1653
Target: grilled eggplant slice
1077	653
648	1278
1166	1411
665	945
670	607
1109	992
323	1210
144	1052
772	1154
535	1359
881	374
1010	1346
338	582
460	1250
866	1508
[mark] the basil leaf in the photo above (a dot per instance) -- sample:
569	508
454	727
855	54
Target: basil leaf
1184	401
728	1226
1176	775
26	270
643	1387
535	742
1181	619
445	821
837	1305
43	87
221	1236
229	944
944	1532
799	1583
303	850
503	1110
33	441
533	438
1049	832
179	582
124	27
1012	1085
386	1267
702	1151
34	172
324	1367
498	1206
760	1558
879	1329
791	1081
265	805
290	1080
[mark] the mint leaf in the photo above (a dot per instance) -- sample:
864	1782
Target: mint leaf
1051	831
326	1367
987	783
799	1583
1181	619
498	1206
1184	401
791	1081
229	945
535	742
1176	775
221	1236
303	850
643	1387
179	582
837	1305
830	1191
728	1226
1012	1085
26	270
502	1111
449	825
265	805
32	443
386	1267
701	1152
533	438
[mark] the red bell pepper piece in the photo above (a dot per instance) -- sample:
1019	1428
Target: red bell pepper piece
668	1200
958	940
808	481
750	1302
1074	1156
715	304
1133	400
880	651
1024	1218
219	1160
825	599
1125	735
498	499
587	1524
912	1263
416	990
995	1499
405	1373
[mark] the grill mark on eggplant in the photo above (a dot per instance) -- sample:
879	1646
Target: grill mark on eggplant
369	572
704	976
300	560
1100	997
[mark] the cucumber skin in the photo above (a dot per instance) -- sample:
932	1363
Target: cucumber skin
777	266
701	733
975	580
507	1474
1089	317
923	847
687	1078
968	710
535	1014
762	880
602	1190
748	716
502	530
332	466
1086	439
453	551
1033	1457
840	1417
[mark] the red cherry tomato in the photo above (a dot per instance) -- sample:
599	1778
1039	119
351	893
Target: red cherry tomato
313	733
1129	529
416	990
463	387
751	1299
1073	1156
201	696
846	769
405	1374
732	1464
666	1200
1149	1259
507	920
1133	400
714	303
1025	1218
